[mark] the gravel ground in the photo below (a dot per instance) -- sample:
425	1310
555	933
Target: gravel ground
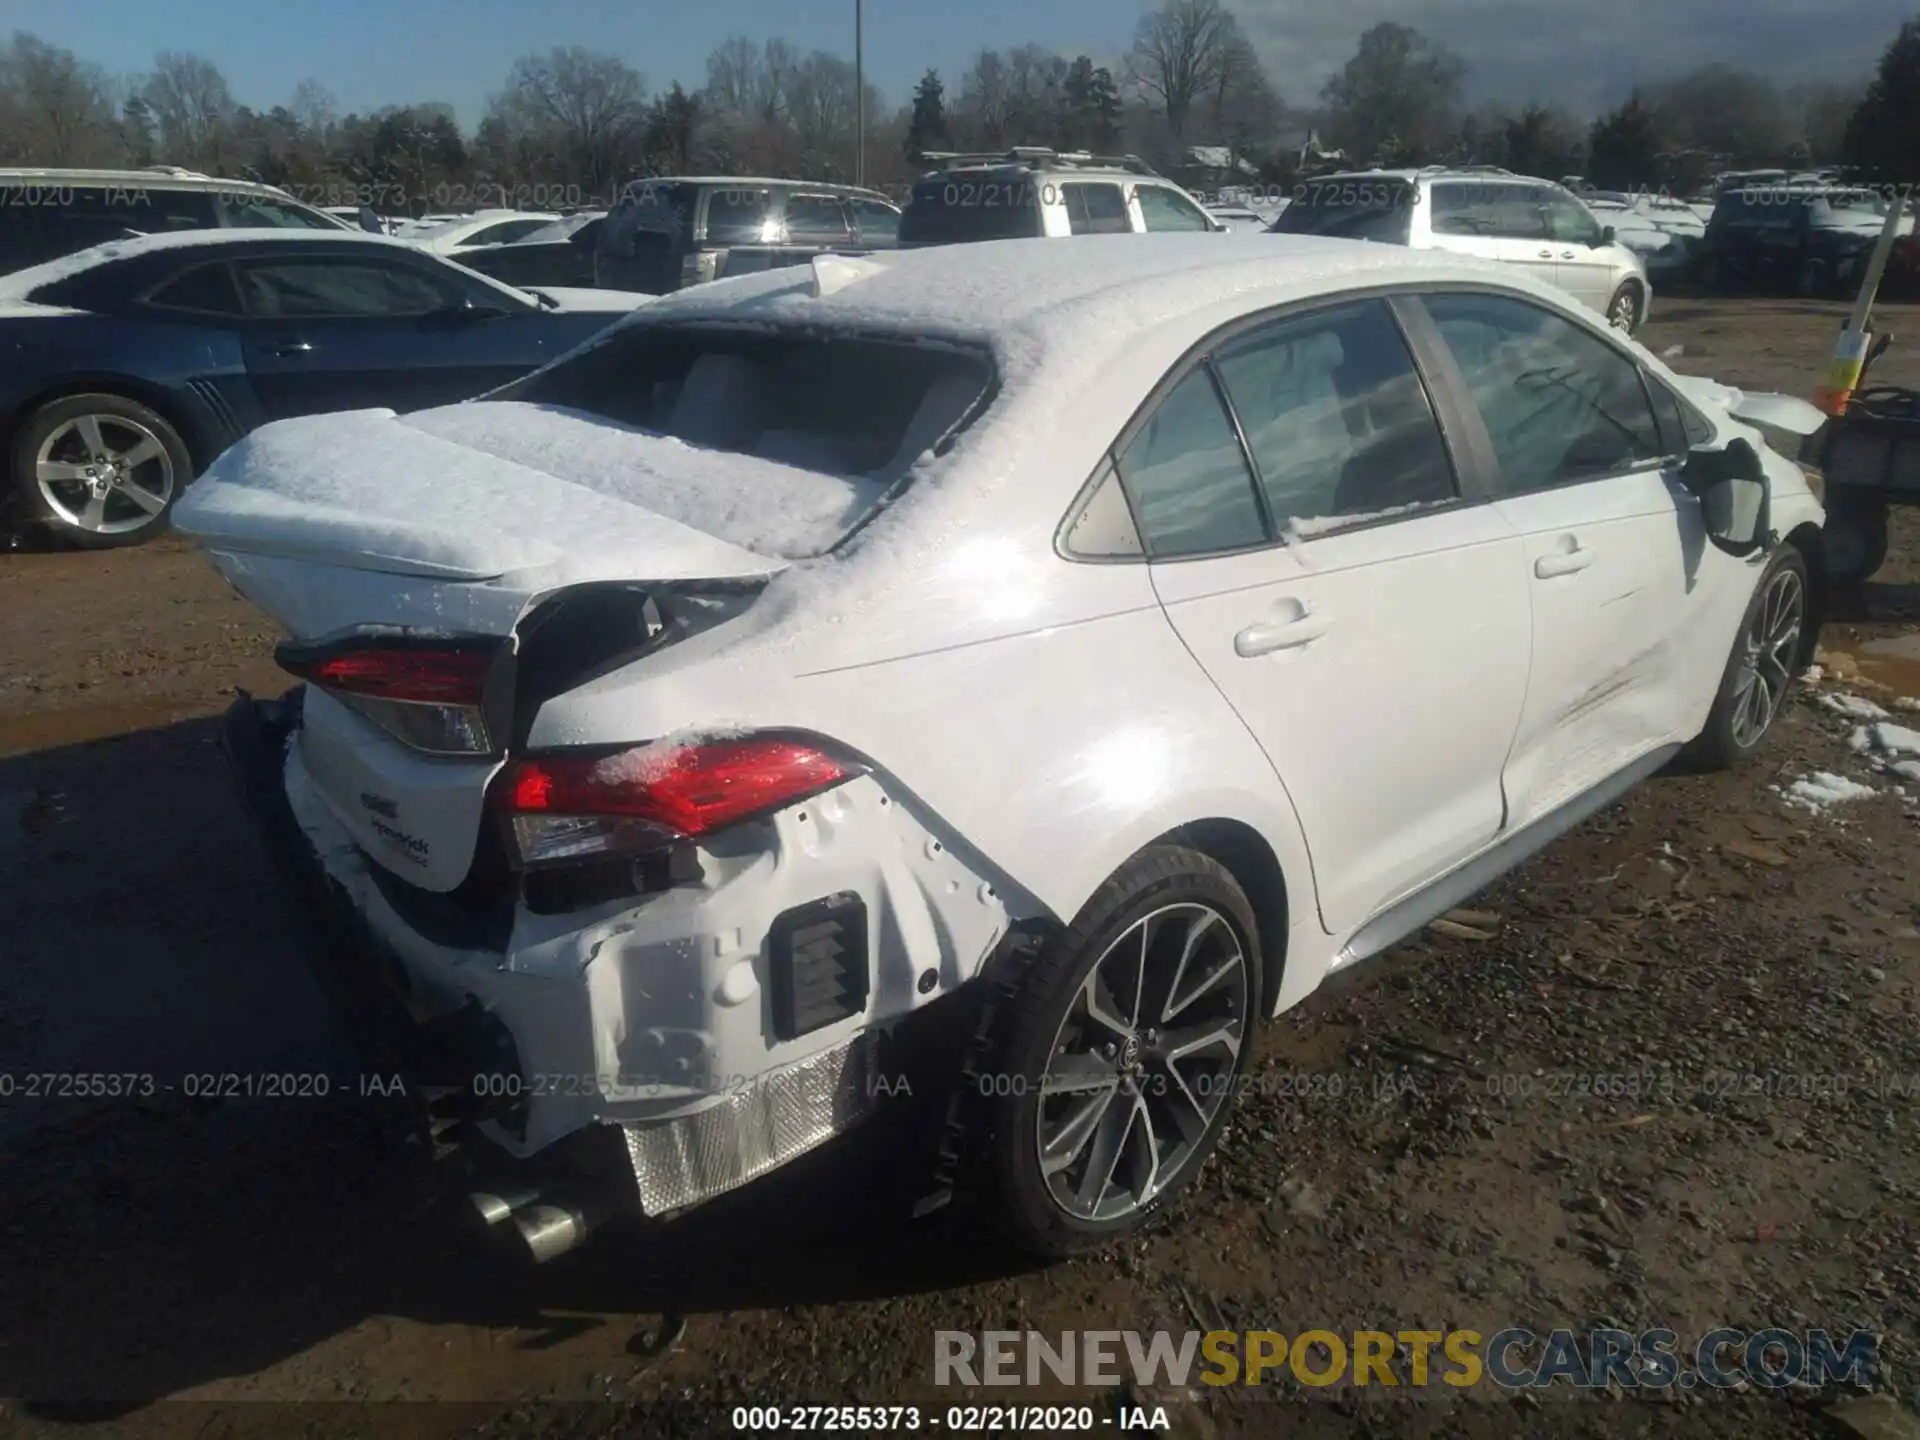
1668	1077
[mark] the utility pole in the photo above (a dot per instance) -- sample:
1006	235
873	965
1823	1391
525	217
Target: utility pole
859	94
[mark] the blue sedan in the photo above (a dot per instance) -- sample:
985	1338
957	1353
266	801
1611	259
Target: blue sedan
125	369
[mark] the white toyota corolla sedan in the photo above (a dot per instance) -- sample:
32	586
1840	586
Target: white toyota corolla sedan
1052	657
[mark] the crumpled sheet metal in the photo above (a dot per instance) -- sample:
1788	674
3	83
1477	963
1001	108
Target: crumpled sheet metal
761	1127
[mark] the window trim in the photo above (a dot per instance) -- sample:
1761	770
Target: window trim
1443	400
1179	197
1476	425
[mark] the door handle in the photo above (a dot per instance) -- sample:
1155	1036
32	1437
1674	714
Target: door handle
1546	254
1287	635
1568	562
1568	255
292	347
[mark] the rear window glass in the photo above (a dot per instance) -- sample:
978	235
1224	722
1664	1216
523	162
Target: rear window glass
947	209
75	217
847	416
738	217
209	289
1350	209
650	206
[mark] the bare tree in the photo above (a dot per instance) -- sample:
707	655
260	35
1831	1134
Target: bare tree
192	110
55	108
592	105
1725	111
986	107
1398	96
1178	55
733	75
313	108
1243	108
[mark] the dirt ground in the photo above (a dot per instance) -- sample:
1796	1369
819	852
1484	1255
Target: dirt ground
1417	1155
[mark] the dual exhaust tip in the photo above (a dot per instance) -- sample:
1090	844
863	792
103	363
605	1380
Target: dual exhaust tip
546	1226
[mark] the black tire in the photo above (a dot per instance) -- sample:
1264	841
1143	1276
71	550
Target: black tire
129	431
1815	279
1626	308
1854	539
1730	738
1163	885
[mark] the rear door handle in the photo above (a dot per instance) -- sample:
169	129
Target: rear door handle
292	347
1568	562
1288	635
1546	254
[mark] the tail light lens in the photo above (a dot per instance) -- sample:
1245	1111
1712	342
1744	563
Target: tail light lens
430	697
563	807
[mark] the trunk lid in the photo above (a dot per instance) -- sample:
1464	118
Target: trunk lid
455	524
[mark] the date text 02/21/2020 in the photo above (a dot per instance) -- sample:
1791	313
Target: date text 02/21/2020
959	1419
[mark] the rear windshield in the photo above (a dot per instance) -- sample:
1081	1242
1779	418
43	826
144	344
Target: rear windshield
844	416
650	206
1350	208
949	209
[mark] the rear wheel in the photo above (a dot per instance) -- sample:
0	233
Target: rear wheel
99	471
1623	310
1765	658
1123	1055
1815	278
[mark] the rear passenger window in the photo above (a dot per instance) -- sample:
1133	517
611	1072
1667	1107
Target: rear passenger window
1336	417
1187	476
815	218
738	217
205	289
1096	209
1560	404
1161	209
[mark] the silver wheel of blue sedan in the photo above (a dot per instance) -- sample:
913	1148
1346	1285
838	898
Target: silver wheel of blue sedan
104	474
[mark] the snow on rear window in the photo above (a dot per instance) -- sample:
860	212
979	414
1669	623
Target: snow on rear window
856	408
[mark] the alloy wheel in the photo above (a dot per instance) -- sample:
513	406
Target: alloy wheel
1771	641
1624	311
104	474
1143	1062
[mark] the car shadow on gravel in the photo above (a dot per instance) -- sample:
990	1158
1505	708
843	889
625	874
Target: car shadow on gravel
157	1241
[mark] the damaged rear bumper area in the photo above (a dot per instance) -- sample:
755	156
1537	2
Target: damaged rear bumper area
643	1059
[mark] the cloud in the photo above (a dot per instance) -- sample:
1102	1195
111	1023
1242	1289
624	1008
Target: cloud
1586	57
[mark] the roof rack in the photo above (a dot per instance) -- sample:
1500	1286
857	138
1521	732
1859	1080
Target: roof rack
178	172
1033	155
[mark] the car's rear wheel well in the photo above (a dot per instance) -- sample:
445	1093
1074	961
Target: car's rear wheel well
1251	861
1806	539
201	449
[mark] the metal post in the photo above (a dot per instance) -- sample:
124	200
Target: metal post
859	94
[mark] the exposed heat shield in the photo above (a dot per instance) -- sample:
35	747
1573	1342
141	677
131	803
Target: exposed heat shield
757	1129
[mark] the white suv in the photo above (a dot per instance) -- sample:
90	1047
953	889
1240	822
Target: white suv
1029	193
1074	652
1535	226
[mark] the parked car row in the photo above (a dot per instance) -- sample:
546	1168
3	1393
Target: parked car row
171	344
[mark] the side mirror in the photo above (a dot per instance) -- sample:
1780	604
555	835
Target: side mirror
1731	486
1607	236
370	221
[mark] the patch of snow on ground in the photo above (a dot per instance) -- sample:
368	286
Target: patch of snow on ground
1823	788
1906	769
1853	706
1813	674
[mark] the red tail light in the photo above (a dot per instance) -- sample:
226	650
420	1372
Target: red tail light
564	806
431	697
425	677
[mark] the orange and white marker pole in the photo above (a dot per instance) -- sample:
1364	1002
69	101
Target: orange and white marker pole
1850	352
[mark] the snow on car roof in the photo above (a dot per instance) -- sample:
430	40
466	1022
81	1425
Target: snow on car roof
22	283
1091	291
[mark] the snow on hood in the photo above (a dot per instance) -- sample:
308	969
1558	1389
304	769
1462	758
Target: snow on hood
490	488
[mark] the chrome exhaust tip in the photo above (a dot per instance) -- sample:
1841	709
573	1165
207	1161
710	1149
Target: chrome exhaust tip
550	1229
497	1206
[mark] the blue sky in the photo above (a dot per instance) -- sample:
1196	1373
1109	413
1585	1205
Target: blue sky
373	52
